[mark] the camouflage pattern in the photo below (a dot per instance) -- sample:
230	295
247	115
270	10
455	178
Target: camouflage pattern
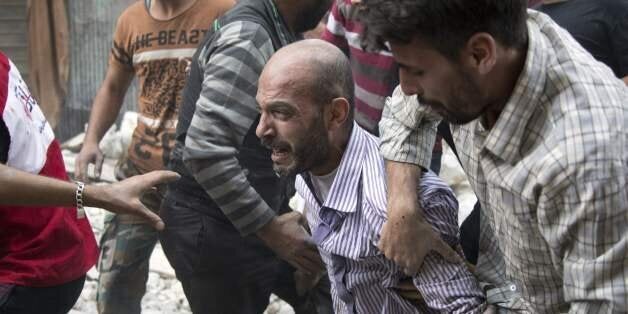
125	249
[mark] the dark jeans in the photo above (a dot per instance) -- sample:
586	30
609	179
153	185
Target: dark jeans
224	272
48	300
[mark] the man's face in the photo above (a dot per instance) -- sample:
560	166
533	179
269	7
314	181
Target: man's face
292	126
439	83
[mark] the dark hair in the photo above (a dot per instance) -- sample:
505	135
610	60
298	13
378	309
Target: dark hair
445	24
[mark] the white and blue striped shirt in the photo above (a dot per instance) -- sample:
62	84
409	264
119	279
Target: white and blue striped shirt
346	229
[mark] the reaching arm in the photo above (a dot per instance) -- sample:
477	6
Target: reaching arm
105	109
108	101
407	138
21	188
225	111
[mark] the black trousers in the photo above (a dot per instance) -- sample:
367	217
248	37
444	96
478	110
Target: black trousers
48	300
225	273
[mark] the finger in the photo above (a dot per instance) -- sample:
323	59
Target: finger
150	217
158	177
98	166
446	251
314	258
307	266
79	169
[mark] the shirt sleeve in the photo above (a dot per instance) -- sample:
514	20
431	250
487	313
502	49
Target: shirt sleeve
407	131
120	55
225	111
335	31
445	286
584	221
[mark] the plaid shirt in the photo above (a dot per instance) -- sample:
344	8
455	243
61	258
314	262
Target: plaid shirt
550	175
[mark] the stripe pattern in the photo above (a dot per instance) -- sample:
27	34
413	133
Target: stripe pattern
346	229
375	73
225	112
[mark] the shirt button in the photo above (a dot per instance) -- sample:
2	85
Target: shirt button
513	288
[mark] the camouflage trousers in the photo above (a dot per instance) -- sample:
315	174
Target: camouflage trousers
125	249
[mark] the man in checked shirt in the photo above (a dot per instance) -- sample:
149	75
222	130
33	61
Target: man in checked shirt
306	100
540	129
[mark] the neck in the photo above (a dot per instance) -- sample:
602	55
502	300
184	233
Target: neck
167	9
288	13
503	83
338	145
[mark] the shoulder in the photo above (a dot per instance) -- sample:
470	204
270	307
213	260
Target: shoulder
133	12
240	31
210	9
251	39
132	17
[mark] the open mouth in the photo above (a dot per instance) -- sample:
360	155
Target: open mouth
280	154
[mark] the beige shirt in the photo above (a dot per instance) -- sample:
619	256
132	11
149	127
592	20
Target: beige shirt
158	51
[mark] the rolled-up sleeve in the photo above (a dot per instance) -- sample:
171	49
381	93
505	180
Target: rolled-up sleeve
407	131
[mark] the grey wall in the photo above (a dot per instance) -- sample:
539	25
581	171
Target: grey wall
13	39
92	23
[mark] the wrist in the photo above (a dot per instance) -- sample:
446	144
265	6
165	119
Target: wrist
95	196
267	231
91	139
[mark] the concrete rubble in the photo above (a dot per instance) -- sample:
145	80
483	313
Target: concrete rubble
164	293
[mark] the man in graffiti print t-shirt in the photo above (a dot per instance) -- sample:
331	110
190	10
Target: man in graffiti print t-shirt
153	42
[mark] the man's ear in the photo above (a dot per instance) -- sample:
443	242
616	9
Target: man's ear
338	113
479	54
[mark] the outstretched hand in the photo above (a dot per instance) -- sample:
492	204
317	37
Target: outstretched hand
124	197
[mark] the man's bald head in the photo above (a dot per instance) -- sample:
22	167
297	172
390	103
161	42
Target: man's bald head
312	67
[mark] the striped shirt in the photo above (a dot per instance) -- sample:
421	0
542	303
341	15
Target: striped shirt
346	229
375	73
550	175
226	111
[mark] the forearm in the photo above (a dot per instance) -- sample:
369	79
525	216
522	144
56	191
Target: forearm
226	184
107	103
103	114
402	181
210	153
625	79
19	188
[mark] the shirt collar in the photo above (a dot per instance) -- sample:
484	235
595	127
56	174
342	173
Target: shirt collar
506	136
343	194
